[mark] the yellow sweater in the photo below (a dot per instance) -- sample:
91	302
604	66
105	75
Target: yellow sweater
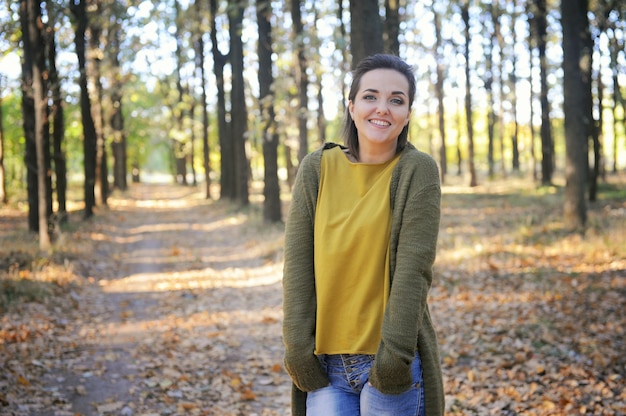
351	240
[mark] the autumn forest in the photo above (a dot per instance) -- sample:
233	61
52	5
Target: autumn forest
147	153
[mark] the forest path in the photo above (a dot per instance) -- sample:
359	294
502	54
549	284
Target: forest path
185	318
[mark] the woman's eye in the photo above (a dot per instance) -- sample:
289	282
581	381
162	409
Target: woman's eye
397	101
369	97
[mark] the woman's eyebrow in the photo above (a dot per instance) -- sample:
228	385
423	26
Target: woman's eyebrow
376	91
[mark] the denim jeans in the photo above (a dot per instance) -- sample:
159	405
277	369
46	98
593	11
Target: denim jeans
350	394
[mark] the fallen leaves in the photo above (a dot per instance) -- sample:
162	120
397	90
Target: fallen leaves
169	304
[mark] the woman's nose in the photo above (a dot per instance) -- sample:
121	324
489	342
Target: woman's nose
382	108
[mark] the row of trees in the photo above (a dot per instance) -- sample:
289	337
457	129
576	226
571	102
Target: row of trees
147	73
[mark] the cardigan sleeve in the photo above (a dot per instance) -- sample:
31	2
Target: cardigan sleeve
415	227
299	301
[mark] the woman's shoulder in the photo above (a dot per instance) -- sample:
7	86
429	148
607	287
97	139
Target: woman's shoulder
412	156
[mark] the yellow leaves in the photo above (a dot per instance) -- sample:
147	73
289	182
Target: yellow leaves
22	381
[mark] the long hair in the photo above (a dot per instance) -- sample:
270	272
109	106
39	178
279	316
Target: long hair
370	63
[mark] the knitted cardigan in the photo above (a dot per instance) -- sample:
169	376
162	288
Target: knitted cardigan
415	197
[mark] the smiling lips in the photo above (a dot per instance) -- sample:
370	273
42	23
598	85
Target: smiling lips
380	123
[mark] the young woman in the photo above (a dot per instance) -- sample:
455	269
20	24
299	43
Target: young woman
360	244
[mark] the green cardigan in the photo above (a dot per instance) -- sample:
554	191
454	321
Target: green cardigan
415	196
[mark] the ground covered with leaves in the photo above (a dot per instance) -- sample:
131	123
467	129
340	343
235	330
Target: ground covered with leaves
168	304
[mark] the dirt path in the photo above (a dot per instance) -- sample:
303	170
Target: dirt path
185	318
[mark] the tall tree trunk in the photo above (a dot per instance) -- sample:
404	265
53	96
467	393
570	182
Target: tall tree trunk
547	143
28	112
301	79
239	113
577	92
491	105
35	27
89	131
596	136
391	34
513	85
179	143
366	34
3	182
468	96
101	188
201	75
227	175
271	190
439	62
531	102
58	124
118	144
618	99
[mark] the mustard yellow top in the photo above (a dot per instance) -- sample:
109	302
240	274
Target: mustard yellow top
351	254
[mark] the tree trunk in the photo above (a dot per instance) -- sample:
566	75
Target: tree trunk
227	172
35	26
3	182
301	79
271	191
239	113
179	143
391	35
439	62
201	74
468	96
58	124
513	85
366	34
118	144
547	144
89	131
577	92
28	112
491	105
101	188
618	99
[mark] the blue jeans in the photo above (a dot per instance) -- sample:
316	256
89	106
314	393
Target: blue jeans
350	394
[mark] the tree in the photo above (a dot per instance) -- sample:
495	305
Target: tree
271	191
33	12
468	95
439	72
577	93
35	111
3	181
547	143
201	75
57	117
366	34
78	8
302	79
116	120
227	172
391	33
238	113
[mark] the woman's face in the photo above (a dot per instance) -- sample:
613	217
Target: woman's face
380	109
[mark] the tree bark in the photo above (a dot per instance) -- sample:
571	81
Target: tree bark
58	126
577	92
439	62
239	113
3	182
366	34
271	190
547	143
227	172
301	79
35	28
201	74
89	131
468	96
